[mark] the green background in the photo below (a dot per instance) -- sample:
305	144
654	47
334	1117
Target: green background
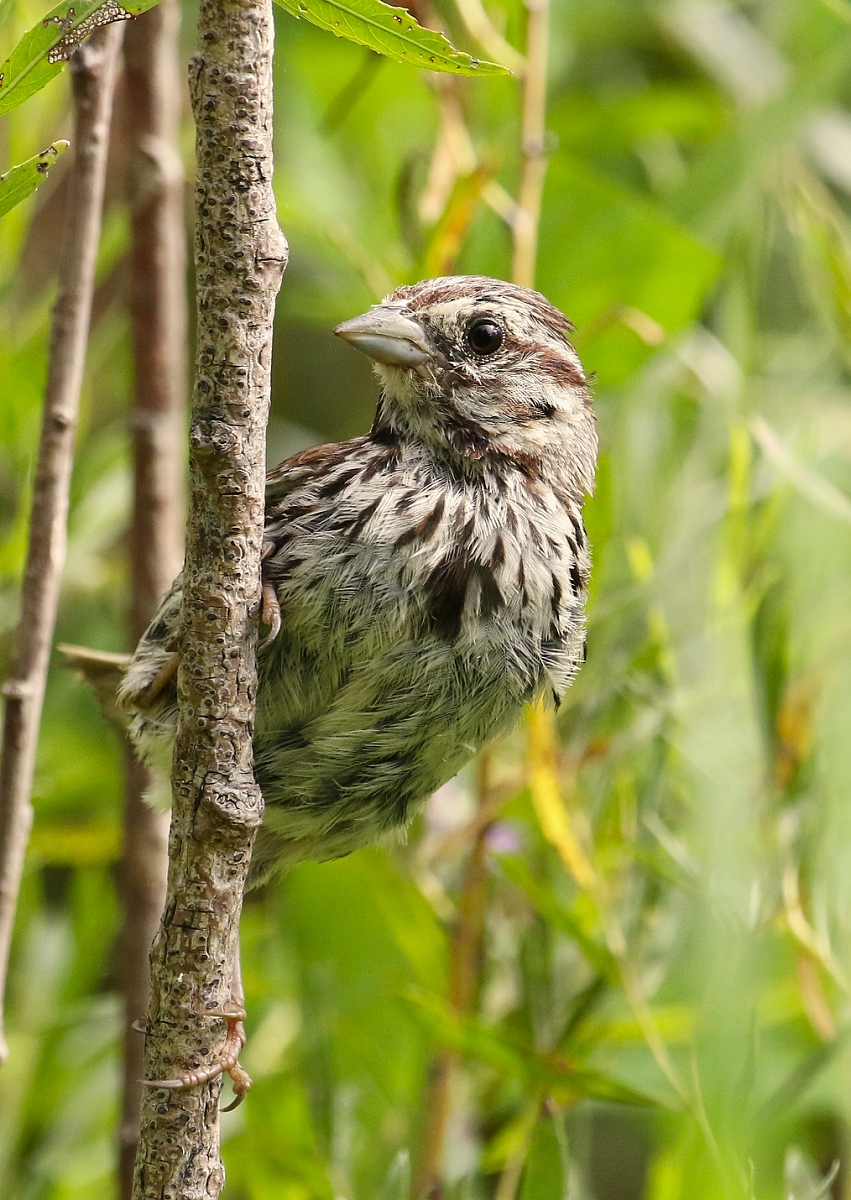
695	228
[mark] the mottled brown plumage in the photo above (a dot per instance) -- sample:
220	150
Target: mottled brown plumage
430	575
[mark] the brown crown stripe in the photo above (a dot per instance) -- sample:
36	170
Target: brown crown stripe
295	510
406	500
382	433
535	535
491	598
481	289
560	369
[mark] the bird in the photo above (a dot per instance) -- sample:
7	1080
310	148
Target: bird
421	583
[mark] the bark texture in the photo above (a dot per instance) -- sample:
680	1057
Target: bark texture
239	257
93	70
153	95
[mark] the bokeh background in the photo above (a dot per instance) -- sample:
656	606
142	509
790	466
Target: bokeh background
660	1006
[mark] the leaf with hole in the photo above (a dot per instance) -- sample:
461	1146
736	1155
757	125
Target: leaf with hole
21	181
40	53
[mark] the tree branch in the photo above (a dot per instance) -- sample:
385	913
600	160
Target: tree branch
158	326
93	68
239	256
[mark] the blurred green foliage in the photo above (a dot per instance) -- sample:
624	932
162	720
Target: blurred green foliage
677	1030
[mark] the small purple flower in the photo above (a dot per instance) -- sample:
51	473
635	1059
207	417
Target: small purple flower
504	837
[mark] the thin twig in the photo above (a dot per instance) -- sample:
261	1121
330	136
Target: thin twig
453	154
158	324
480	26
240	254
488	808
528	213
93	69
465	955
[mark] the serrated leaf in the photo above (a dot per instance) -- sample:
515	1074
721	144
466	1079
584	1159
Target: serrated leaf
40	53
21	181
390	31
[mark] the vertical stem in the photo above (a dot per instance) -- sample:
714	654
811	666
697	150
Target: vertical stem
158	326
541	734
93	70
143	878
158	306
465	955
466	946
534	169
240	254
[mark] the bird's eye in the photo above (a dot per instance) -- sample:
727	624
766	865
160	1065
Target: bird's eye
485	337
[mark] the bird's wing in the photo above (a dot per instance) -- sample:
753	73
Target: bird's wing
304	468
150	676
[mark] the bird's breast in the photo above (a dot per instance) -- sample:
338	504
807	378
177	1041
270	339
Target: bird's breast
492	566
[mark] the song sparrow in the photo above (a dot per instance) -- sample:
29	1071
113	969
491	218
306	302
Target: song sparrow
423	581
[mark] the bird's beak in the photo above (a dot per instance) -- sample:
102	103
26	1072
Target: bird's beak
388	335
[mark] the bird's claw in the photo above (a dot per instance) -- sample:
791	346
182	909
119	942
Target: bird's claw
226	1063
270	613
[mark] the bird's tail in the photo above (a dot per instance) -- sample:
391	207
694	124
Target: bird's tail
103	672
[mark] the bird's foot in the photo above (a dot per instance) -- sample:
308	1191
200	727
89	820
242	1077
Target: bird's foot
225	1063
270	609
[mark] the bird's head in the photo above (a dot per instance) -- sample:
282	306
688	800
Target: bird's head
481	369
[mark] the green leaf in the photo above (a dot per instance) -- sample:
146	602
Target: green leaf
546	1176
40	53
21	181
389	31
622	270
555	914
564	1078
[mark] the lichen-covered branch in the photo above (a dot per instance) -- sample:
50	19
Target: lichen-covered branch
239	257
158	324
93	70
